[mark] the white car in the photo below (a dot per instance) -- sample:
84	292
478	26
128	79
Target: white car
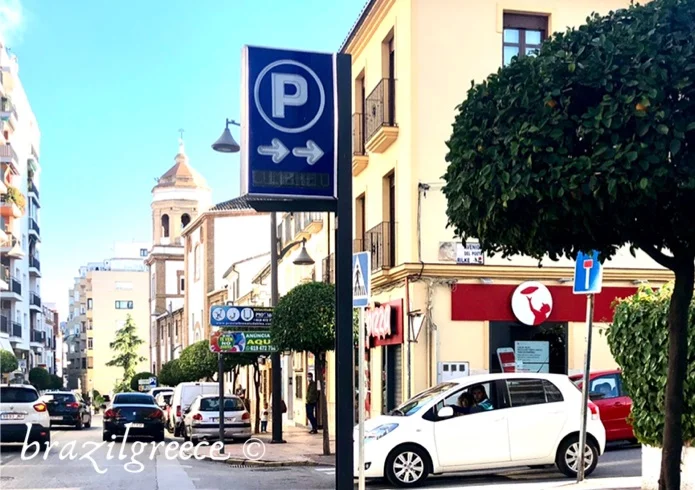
526	420
183	396
20	405
201	420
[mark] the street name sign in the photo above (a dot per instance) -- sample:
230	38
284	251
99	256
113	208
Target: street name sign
289	123
240	316
226	342
588	274
360	279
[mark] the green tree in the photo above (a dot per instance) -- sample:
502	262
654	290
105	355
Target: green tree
39	378
638	339
126	344
589	146
55	382
304	321
171	374
8	362
134	381
197	362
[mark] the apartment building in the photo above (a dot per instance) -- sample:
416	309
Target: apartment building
180	195
450	310
104	295
22	328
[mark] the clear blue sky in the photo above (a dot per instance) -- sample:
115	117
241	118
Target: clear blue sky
112	82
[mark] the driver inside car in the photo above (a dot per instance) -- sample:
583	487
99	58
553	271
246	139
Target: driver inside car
482	403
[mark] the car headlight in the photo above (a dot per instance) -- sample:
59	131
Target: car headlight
379	432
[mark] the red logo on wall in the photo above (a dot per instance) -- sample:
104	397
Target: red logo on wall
379	322
532	303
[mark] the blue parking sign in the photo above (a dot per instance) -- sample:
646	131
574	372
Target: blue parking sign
289	122
588	274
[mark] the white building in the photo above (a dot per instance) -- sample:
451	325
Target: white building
22	328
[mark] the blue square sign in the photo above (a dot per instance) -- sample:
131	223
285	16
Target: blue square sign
361	272
588	274
289	121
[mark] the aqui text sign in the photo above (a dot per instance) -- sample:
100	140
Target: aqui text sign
226	342
240	316
289	121
588	274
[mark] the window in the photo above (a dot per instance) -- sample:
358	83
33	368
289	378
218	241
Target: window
90	325
523	35
495	391
606	386
165	225
124	286
133	399
196	261
525	392
82	310
90	363
59	398
143	252
124	305
84	327
213	405
84	363
15	394
90	303
90	343
185	219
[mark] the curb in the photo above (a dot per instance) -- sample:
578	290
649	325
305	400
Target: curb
261	463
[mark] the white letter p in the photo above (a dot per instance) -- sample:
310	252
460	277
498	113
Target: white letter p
281	98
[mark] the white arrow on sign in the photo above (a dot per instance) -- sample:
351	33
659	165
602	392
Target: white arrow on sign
277	150
312	152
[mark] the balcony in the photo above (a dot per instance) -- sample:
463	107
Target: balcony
37	337
33	192
8	112
14	292
35	302
359	153
34	229
15	331
306	224
380	120
34	266
380	242
12	247
4	324
12	206
4	278
5	227
328	269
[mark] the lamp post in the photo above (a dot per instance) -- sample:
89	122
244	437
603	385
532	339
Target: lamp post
227	144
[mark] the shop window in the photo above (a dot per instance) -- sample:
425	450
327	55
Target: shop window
536	349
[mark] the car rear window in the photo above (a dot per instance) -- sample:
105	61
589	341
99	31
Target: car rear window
60	398
133	399
213	405
16	394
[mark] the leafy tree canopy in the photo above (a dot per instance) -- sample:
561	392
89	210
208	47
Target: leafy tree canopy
134	381
126	345
55	382
304	319
8	362
587	146
39	378
638	338
198	362
171	374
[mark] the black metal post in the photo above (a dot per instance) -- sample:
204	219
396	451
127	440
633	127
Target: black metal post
220	375
275	356
344	353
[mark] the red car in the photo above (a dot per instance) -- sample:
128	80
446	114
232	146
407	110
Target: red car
606	390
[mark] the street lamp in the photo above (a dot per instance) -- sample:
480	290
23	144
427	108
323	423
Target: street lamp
227	144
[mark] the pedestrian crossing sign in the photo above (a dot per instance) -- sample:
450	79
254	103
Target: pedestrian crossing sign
360	279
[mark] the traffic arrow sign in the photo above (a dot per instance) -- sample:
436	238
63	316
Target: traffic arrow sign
277	150
312	152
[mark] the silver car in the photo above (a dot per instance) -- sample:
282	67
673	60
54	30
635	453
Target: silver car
201	419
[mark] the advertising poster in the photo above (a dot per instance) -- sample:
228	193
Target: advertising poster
231	342
532	356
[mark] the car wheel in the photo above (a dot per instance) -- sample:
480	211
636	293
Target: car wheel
79	424
88	425
186	437
106	436
567	459
407	466
159	437
177	430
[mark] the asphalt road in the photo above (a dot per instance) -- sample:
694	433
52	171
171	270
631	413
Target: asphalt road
117	466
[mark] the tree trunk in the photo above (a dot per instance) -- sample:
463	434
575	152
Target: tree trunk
320	365
256	386
670	477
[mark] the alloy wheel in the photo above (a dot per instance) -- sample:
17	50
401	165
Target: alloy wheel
408	467
572	457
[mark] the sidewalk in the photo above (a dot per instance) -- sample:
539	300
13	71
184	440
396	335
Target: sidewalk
300	449
630	483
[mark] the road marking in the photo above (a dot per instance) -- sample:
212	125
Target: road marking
326	471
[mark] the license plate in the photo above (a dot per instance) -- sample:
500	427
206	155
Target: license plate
56	418
133	425
226	421
12	416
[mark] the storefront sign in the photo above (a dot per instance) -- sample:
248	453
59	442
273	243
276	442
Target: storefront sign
532	356
385	324
532	303
230	342
379	322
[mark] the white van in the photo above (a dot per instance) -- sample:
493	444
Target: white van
184	394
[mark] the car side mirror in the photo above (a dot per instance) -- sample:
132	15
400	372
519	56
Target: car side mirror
445	412
597	395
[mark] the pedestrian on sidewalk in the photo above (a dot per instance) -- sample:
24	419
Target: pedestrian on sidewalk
264	418
312	397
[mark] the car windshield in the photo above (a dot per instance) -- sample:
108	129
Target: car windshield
133	399
59	398
11	394
418	401
213	404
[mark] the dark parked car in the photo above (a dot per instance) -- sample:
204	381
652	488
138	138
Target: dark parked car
137	412
67	408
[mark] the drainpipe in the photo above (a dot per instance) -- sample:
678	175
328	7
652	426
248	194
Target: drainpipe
409	320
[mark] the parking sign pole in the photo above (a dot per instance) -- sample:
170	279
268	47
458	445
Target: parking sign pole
585	385
220	376
361	400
